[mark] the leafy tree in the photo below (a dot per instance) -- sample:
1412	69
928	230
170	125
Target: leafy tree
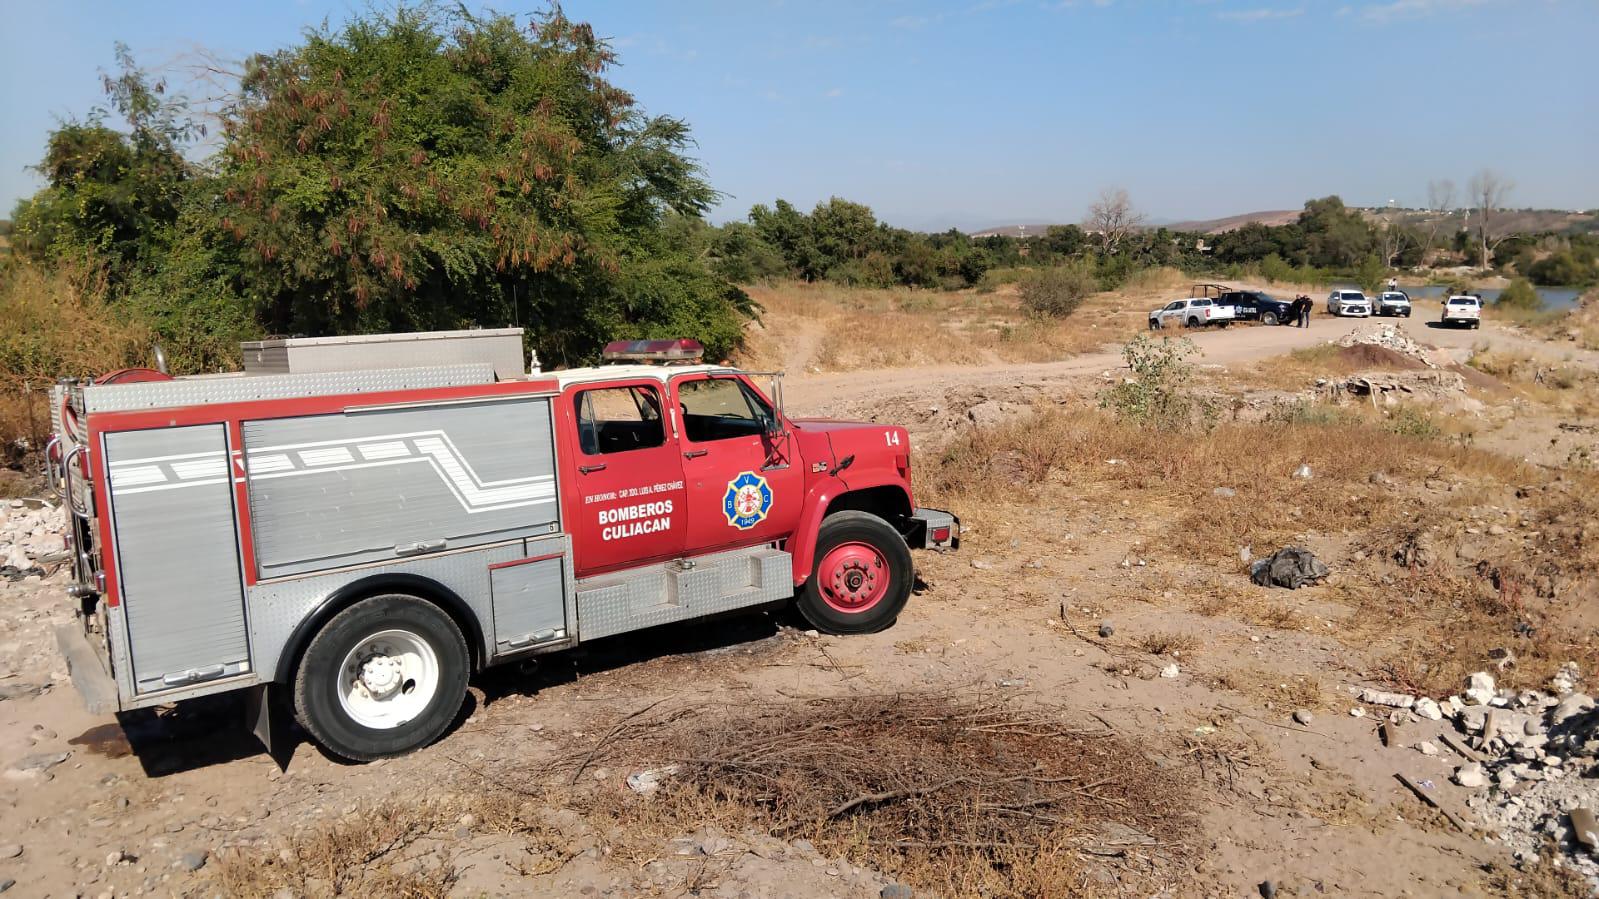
1519	295
1334	234
416	170
1566	267
843	230
112	197
1371	274
1056	292
789	231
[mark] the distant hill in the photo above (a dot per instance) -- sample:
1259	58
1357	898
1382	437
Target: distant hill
1234	222
1012	231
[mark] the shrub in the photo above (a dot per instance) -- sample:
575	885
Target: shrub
1519	295
1057	292
1274	269
1158	393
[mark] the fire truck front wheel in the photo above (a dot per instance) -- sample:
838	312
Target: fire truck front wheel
383	677
861	577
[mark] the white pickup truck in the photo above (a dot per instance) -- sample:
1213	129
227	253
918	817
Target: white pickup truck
1193	312
1462	309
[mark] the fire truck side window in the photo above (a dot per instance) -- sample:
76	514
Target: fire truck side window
618	419
720	409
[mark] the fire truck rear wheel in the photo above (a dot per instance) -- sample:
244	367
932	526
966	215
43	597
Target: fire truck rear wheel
382	678
861	576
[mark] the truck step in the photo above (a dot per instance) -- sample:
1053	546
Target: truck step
676	591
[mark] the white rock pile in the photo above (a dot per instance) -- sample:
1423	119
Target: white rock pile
1529	758
1388	337
30	538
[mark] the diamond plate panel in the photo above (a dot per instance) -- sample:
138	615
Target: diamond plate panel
278	607
660	594
240	388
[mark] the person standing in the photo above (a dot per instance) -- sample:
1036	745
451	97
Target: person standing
1303	304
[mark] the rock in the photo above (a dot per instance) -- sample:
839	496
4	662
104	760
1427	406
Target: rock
1171	671
1428	708
1496	530
897	891
1472	718
10	850
1106	630
1290	567
40	761
1357	712
1245	553
981	565
1503	657
116	857
1571	705
1471	775
193	860
1303	472
1394	700
1426	748
1566	679
1303	717
6	884
1480	687
19	691
1224	492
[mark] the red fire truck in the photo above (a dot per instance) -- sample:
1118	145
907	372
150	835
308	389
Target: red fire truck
351	527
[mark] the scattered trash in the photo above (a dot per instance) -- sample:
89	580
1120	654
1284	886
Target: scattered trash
1106	630
1357	712
1304	717
1303	472
1171	671
1224	492
1290	567
649	780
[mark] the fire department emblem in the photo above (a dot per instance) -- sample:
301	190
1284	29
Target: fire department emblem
747	501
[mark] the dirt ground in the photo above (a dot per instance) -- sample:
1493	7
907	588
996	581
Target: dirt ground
1224	790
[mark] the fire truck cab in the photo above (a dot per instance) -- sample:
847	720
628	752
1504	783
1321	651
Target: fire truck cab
351	527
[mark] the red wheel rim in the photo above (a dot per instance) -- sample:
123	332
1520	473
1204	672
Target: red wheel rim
853	577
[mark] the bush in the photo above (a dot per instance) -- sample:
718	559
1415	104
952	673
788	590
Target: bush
1057	292
1157	394
1519	295
1274	269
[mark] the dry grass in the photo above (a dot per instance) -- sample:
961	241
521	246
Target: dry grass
963	795
831	328
366	854
1167	644
1428	624
53	324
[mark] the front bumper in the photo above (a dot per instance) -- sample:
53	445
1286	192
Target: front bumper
933	529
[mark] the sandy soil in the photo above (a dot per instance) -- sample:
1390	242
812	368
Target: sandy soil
145	805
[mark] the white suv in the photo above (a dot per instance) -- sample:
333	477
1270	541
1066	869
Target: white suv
1348	302
1463	309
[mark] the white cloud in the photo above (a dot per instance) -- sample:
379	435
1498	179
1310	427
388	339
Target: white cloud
835	92
1382	13
1262	14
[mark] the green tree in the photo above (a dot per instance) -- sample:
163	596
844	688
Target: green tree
1335	235
1519	295
843	230
112	197
416	170
789	231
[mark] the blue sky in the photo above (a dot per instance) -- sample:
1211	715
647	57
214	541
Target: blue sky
980	112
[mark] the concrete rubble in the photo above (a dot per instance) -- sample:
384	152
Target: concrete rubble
1530	759
30	538
1389	337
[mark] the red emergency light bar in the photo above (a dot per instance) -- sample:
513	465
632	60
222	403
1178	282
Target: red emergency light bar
662	351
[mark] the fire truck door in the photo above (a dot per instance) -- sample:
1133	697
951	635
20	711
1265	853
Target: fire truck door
629	478
744	485
178	555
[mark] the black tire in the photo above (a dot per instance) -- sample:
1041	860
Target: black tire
1154	324
1193	322
858	527
1268	318
316	680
